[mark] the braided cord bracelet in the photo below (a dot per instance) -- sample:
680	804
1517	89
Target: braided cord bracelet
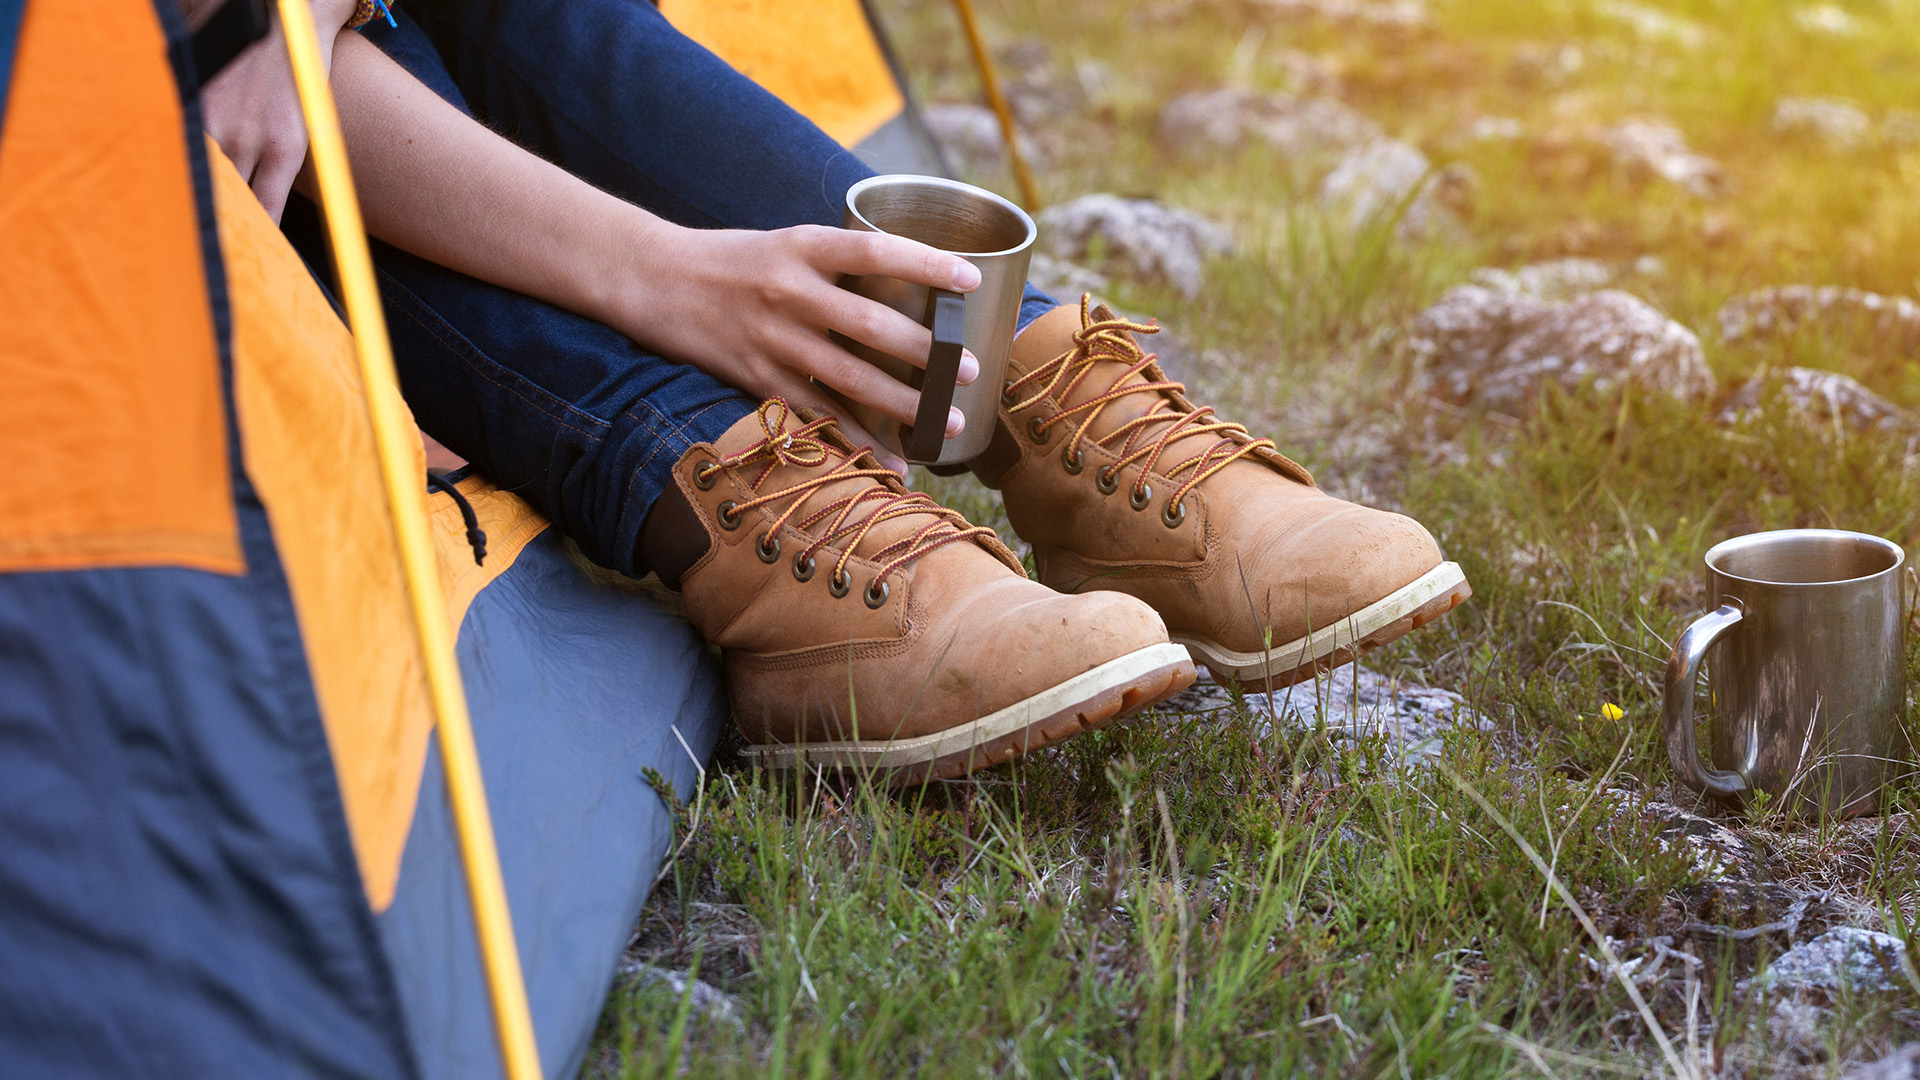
367	9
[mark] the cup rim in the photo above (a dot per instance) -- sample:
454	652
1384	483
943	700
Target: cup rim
1758	539
1033	231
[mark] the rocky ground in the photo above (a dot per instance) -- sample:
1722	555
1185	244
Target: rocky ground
1584	285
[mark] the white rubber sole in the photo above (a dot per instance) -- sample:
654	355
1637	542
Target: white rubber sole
1081	703
1428	597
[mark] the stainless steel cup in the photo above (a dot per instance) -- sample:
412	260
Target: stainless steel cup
1809	681
996	237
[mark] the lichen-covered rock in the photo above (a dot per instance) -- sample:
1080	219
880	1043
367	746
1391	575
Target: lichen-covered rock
1861	960
1461	336
1225	119
1355	705
1380	14
1902	1064
1839	124
1064	281
970	137
1787	309
1555	279
1497	348
1830	19
1653	24
1140	236
1821	398
1382	177
1659	149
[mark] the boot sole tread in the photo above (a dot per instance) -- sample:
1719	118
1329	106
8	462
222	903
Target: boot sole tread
1077	705
1389	619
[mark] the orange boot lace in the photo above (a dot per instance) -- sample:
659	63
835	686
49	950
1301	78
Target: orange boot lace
815	443
1144	438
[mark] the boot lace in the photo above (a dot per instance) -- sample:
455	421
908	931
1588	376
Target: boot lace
812	443
1134	440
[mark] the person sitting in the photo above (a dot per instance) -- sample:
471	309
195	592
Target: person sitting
624	313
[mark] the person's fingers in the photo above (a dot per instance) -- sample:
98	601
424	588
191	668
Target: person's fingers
799	391
880	327
836	367
844	251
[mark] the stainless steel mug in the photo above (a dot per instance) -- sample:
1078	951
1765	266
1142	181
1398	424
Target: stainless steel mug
1809	678
996	237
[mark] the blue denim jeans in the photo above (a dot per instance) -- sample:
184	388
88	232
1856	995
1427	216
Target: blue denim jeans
566	412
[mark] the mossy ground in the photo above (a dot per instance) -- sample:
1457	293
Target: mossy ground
1201	895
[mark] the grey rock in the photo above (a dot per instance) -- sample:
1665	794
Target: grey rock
1797	1024
1821	398
1786	309
1830	19
1837	123
1140	236
1902	1064
970	136
1556	279
1718	853
1063	280
709	1003
1357	704
1498	348
1385	175
1659	149
1862	960
1354	704
1652	23
1379	14
1224	119
1901	127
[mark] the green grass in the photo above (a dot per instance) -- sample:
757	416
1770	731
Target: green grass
1202	895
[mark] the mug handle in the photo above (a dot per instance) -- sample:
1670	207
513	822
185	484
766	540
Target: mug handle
946	317
1683	667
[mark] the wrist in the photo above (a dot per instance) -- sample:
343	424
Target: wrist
621	278
331	16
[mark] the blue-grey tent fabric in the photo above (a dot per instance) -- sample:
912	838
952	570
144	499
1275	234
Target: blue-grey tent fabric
178	890
10	13
179	895
575	689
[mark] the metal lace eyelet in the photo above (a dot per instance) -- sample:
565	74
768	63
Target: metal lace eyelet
768	547
1105	479
1008	399
876	593
1035	431
1140	496
1173	514
705	474
838	583
1071	460
729	515
803	567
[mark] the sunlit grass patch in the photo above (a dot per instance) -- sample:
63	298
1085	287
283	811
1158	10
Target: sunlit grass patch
1209	894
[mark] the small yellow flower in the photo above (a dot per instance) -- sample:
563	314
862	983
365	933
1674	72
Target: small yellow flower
1612	711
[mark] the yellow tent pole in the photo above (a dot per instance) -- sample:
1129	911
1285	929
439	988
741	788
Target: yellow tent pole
393	435
991	80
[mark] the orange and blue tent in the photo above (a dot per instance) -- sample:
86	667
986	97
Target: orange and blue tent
226	847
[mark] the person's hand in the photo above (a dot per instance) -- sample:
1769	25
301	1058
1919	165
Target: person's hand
253	111
754	309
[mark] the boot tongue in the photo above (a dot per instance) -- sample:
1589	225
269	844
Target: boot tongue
1106	355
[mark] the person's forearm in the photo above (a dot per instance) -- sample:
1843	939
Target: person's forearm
436	183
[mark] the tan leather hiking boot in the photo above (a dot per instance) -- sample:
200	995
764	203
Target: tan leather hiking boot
864	626
1121	483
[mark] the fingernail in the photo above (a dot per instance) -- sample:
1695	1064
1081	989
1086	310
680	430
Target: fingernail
969	367
955	422
966	276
